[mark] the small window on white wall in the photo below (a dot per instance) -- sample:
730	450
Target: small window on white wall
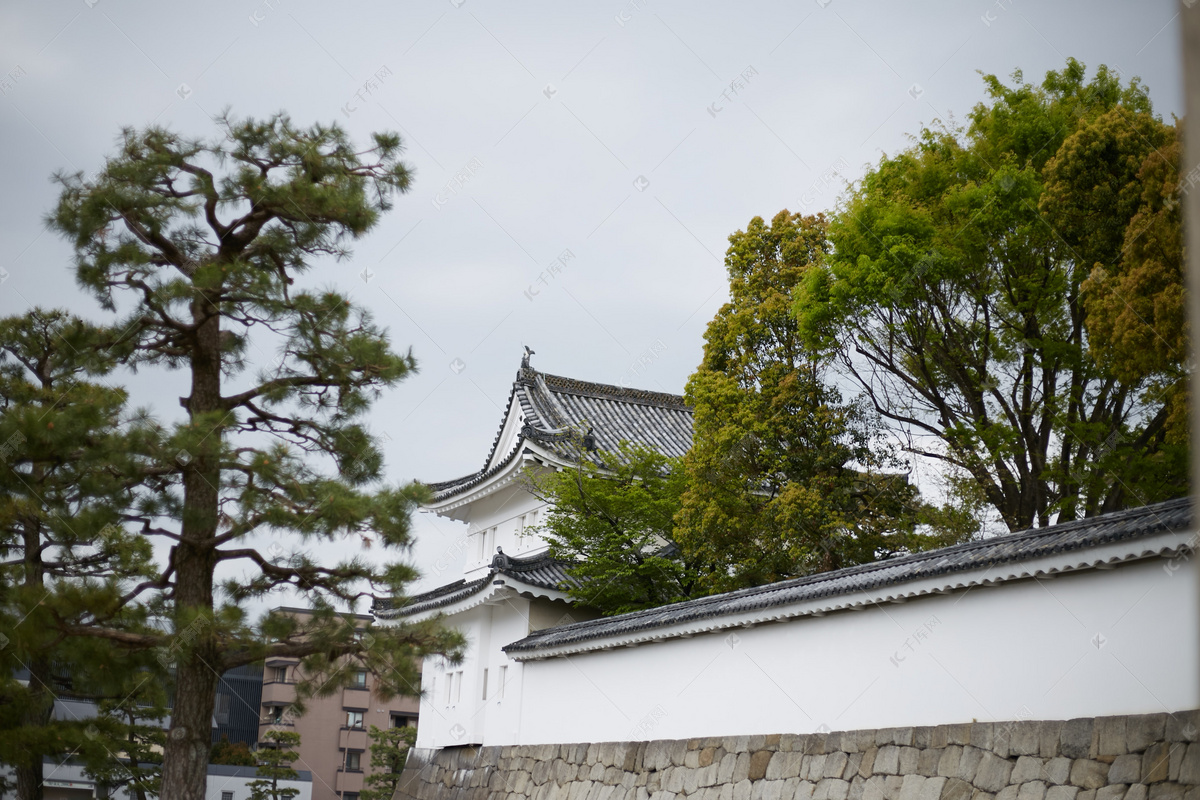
458	676
503	679
485	677
478	537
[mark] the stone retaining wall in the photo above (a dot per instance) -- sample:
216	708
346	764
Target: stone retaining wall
1148	757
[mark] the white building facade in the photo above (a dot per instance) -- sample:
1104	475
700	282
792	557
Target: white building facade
1090	618
510	586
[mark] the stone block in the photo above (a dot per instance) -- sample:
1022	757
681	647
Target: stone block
1008	792
1114	791
887	760
1048	734
835	765
758	764
725	768
673	782
741	790
816	767
1032	790
853	762
1057	770
804	790
817	744
993	773
902	736
957	789
982	795
892	784
1062	792
784	765
1166	791
691	759
1183	726
1075	738
742	768
791	742
909	758
1025	739
931	789
982	735
1028	768
1189	766
910	787
883	736
1110	736
1088	774
1138	791
707	776
939	736
1156	761
922	736
927	764
678	751
968	762
1143	730
838	789
873	788
948	764
772	790
867	767
1126	769
958	734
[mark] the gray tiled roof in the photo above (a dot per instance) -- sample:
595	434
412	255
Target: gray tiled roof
1173	515
559	412
541	571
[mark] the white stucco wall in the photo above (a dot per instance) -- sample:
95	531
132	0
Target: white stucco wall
1091	643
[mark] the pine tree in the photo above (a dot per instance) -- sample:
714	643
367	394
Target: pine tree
275	764
205	241
75	459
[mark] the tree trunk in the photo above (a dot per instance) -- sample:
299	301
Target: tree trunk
198	665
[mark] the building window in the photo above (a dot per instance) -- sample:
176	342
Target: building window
359	679
275	714
226	795
400	721
354	719
221	712
503	680
353	761
279	674
485	677
458	676
350	796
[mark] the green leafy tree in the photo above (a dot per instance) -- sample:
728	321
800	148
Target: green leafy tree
953	298
389	753
234	754
74	459
783	478
612	517
275	759
203	243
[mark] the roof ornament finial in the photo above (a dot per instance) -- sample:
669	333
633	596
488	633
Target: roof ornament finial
525	358
500	561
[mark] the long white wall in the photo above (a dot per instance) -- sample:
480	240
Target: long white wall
1090	643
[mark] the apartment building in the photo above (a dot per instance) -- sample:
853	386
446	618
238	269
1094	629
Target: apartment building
334	730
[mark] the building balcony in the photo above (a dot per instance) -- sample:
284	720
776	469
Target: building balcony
358	699
278	694
352	739
348	781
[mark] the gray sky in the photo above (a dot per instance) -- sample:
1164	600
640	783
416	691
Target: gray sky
635	136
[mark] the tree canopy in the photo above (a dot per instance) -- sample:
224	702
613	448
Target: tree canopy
784	478
955	298
199	243
613	518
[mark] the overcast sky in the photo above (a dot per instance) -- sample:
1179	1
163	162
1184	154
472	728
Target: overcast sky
579	166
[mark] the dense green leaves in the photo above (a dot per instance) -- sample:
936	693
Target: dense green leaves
613	518
389	752
953	298
784	478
